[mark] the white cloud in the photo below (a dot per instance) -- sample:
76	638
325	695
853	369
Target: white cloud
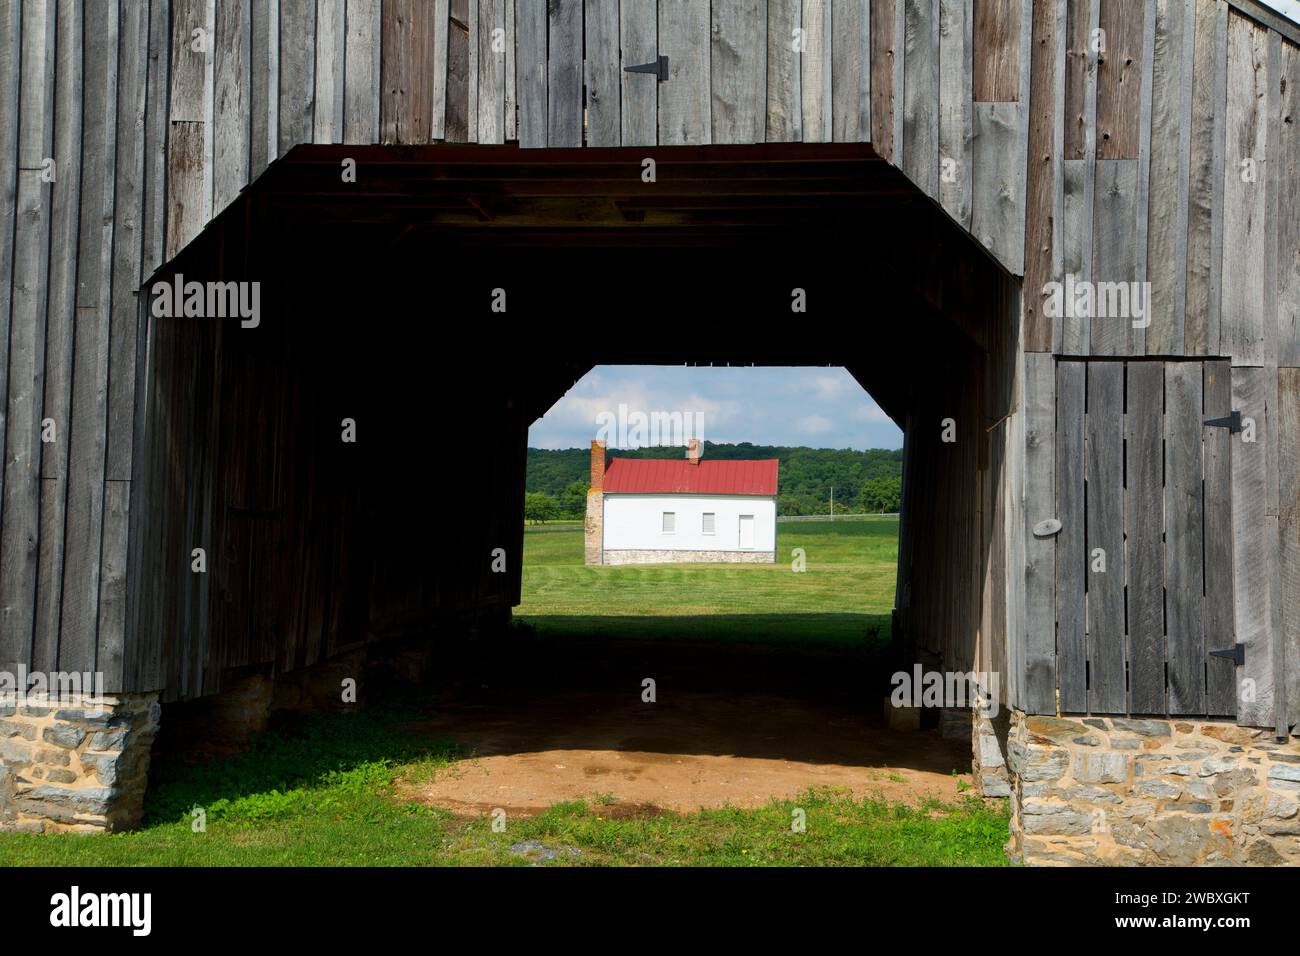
771	406
815	424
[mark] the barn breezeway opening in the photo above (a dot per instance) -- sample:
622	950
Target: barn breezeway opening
433	310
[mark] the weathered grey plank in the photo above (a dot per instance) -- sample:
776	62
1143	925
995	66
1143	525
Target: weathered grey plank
738	71
638	40
127	274
1220	629
899	48
1058	153
530	32
564	74
997	200
1288	433
1015	534
956	131
1289	594
263	85
1080	80
1167	197
882	77
1284	155
471	71
189	60
1254	548
604	80
1288	443
86	461
784	97
408	36
1119	80
1071	551
189	184
185	200
512	89
361	66
1184	527
297	72
1114	256
1076	256
921	95
1243	317
997	51
10	67
1139	333
850	71
331	63
815	71
1105	528
1042	176
1040	553
492	71
21	499
60	321
456	106
1205	180
1272	267
1143	506
231	127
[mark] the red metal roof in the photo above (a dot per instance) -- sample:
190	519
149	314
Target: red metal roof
676	476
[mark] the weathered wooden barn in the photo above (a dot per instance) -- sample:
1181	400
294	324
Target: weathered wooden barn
1067	235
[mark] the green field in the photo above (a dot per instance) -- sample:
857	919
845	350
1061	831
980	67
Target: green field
331	789
844	596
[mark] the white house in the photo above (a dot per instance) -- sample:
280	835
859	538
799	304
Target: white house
657	511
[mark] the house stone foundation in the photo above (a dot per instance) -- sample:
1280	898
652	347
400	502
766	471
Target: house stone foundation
1113	791
683	557
79	764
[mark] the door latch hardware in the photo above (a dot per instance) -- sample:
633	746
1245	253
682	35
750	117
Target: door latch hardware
1236	654
659	69
1231	422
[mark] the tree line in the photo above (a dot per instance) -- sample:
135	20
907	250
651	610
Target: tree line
863	481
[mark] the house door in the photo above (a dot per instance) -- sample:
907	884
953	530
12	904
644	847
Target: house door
746	532
1145	548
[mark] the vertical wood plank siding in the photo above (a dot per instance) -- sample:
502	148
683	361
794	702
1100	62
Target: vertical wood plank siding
1166	154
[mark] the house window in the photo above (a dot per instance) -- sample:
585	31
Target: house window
670	522
710	521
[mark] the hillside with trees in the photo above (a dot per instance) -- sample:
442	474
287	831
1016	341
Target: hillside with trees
864	481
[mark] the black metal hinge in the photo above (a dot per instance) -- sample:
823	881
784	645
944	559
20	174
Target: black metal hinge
1231	422
1236	654
659	68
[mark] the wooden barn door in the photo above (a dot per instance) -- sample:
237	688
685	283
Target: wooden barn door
1144	553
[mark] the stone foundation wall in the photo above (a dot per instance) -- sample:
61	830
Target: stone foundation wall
682	557
1106	790
80	764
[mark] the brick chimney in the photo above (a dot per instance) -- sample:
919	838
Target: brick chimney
594	525
598	464
693	451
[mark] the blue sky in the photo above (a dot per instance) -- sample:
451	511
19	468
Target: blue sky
1289	8
818	407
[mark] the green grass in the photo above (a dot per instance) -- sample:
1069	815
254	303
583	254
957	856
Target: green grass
844	596
323	792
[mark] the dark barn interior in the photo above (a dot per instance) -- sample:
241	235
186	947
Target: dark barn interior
379	305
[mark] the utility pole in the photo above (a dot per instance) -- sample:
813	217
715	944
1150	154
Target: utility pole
832	501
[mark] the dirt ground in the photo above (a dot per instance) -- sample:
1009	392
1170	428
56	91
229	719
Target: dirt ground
730	725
